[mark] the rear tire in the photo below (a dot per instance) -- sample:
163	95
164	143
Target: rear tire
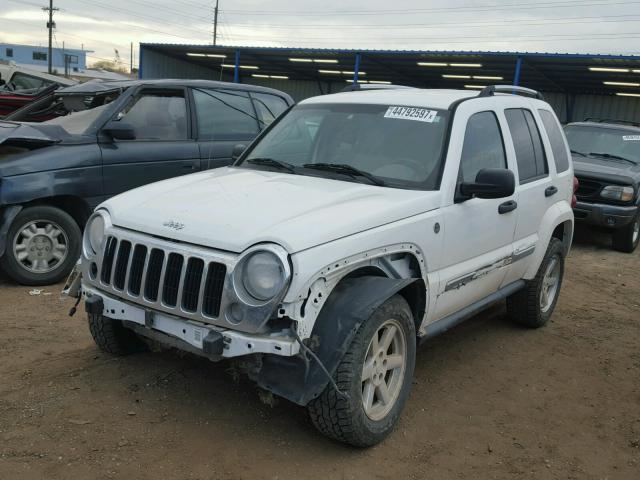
112	337
353	420
534	304
626	239
43	245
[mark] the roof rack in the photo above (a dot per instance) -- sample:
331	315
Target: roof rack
614	121
356	87
490	90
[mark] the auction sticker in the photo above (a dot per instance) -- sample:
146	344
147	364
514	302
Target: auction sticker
412	113
631	138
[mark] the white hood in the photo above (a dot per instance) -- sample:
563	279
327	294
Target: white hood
234	208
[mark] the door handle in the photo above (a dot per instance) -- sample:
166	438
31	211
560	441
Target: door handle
507	207
549	191
190	166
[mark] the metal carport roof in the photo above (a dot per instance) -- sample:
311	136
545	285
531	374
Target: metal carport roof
548	72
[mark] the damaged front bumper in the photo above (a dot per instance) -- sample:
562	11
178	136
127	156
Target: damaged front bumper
199	338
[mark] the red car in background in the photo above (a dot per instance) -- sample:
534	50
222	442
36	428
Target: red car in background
20	86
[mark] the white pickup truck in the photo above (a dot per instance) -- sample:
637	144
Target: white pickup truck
357	225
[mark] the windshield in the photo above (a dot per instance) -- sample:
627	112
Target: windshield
602	140
78	122
387	145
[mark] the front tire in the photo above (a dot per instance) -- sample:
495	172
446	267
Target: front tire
534	304
43	245
376	373
112	337
627	238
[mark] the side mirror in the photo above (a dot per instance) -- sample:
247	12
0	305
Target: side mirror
490	183
237	151
120	131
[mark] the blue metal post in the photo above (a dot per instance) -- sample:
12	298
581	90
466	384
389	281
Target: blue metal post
236	70
516	76
140	61
356	69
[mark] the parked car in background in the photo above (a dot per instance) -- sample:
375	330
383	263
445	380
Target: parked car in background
360	224
20	86
121	135
606	156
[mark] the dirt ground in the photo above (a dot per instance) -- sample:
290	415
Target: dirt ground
490	400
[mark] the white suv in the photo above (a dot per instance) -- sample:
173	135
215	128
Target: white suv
355	226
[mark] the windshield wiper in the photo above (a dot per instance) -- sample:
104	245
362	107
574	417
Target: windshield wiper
270	162
346	169
614	157
579	153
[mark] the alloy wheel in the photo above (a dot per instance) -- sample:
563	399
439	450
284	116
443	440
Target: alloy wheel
383	370
40	246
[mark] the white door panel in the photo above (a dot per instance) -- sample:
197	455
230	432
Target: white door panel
478	243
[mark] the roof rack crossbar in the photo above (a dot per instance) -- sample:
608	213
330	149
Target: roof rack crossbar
357	87
491	90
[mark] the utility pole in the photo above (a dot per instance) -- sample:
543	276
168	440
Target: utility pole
131	60
50	25
215	23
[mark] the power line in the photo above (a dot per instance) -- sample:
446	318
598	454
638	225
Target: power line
506	23
133	13
620	35
413	11
128	26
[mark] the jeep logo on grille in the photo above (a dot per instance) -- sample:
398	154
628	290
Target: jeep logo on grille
174	225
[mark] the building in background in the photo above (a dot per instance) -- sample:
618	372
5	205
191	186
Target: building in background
36	58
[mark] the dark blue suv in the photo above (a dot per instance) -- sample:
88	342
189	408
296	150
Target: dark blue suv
115	137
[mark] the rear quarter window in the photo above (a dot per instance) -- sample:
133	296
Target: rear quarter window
556	138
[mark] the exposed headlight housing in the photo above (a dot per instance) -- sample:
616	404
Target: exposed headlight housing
618	192
93	241
262	274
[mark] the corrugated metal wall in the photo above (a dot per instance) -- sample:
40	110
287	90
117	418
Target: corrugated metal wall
157	65
594	106
298	89
577	107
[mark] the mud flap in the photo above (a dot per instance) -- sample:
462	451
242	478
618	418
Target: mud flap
7	216
300	379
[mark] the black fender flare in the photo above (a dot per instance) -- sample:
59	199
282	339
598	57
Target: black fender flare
7	216
300	379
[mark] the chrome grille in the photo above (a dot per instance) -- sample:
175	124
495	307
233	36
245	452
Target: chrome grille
107	265
213	290
122	261
137	269
191	285
174	280
154	271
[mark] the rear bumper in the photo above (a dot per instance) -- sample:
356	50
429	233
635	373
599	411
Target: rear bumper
602	215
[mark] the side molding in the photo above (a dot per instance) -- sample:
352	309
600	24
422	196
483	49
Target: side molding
300	379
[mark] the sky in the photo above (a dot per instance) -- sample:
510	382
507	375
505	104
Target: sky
102	26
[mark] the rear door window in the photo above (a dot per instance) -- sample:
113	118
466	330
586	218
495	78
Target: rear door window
532	162
556	138
269	107
224	115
